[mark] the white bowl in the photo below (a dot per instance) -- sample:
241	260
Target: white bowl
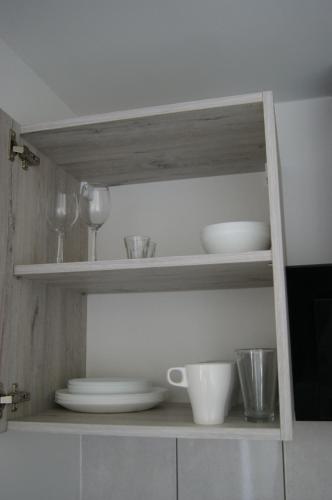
231	237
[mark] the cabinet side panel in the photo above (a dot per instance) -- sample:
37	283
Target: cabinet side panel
42	329
278	259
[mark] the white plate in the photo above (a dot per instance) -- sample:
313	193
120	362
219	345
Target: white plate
112	385
112	403
65	395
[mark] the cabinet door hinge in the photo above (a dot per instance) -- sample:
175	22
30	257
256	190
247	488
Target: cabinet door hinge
13	398
27	157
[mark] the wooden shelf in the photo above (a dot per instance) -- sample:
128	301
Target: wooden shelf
169	420
193	139
192	272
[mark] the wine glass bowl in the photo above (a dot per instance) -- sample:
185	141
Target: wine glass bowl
62	214
95	207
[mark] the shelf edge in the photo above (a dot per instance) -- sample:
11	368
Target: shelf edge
30	270
180	432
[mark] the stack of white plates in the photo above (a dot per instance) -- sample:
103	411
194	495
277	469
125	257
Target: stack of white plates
109	395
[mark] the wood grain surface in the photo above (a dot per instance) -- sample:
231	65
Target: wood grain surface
42	314
278	258
42	329
197	143
190	272
168	420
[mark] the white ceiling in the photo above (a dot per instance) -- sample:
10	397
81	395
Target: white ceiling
106	55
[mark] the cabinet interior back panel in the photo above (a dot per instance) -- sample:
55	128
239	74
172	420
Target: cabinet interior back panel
146	333
206	142
173	213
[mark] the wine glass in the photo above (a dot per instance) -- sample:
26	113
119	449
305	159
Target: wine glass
62	215
95	207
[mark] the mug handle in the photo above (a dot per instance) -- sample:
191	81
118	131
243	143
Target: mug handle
183	382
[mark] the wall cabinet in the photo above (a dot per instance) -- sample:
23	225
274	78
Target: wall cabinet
43	304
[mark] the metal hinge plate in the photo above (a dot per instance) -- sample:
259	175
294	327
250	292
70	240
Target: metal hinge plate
27	157
13	398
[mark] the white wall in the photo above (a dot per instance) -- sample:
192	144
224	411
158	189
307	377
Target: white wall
305	139
23	95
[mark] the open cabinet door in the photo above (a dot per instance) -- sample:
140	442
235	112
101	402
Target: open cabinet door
6	259
42	329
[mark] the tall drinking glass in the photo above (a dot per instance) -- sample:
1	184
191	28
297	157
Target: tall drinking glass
95	207
62	215
258	378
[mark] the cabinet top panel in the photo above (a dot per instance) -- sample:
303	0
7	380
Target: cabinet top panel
194	139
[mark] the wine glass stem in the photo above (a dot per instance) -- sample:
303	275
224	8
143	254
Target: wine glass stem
93	243
59	255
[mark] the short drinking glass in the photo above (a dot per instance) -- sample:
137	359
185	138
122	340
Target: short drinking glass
152	249
137	246
258	378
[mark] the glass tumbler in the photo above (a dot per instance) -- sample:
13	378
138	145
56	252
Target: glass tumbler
258	378
137	246
152	249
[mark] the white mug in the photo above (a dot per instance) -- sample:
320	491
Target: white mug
210	388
